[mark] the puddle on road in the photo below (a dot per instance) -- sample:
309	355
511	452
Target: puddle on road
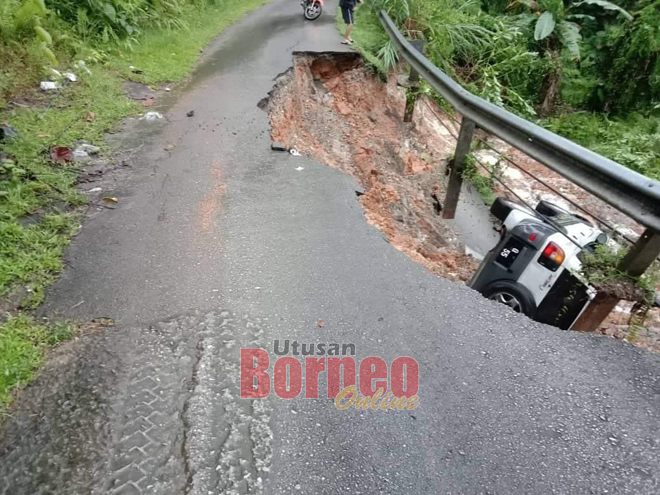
331	107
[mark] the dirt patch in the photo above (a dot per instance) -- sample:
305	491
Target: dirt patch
621	290
635	324
142	93
331	107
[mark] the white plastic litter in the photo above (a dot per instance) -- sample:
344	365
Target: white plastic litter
300	168
294	152
80	64
83	150
79	154
152	116
71	76
94	190
49	85
88	148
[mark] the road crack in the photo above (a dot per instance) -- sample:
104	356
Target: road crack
187	466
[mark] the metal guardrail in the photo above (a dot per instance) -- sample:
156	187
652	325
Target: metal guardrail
629	192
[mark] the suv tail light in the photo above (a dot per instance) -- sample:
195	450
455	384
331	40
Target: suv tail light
552	257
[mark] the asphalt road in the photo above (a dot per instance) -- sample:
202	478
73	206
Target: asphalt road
221	244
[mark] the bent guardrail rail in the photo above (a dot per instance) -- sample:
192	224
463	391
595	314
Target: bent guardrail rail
627	191
634	194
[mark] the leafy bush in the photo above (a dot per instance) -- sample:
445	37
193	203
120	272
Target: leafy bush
488	54
117	20
633	141
630	60
580	84
483	183
506	72
450	27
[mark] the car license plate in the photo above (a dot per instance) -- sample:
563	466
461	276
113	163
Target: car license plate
510	252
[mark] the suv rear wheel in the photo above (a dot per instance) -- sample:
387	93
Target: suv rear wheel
511	294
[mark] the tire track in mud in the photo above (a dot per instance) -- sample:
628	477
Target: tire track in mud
229	445
150	410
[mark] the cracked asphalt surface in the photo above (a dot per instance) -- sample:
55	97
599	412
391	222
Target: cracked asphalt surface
221	244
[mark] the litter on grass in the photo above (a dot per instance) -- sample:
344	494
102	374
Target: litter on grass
49	85
152	116
80	64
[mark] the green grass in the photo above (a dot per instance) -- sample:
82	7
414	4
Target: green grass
30	254
633	141
474	174
166	55
31	185
40	209
368	34
22	347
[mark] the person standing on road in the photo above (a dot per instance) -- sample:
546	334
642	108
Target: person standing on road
348	12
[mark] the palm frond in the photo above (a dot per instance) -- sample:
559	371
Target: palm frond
570	35
388	55
607	6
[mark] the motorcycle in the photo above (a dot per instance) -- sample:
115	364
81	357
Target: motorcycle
312	9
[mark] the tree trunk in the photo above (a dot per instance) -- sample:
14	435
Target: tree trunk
551	86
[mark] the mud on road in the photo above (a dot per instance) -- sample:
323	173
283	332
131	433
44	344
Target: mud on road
332	107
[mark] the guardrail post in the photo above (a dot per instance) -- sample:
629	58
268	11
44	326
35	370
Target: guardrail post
642	254
635	263
419	46
457	168
413	82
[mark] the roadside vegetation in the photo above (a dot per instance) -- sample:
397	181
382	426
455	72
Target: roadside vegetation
103	42
600	269
22	347
586	69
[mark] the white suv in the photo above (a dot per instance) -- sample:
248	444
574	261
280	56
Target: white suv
534	268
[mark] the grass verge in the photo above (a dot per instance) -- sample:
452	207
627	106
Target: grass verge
170	55
40	209
22	347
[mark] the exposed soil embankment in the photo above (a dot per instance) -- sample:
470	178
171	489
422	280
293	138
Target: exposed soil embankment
331	107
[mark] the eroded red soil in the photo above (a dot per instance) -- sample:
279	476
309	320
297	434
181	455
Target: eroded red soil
331	107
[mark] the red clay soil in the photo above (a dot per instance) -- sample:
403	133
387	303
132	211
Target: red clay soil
331	107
